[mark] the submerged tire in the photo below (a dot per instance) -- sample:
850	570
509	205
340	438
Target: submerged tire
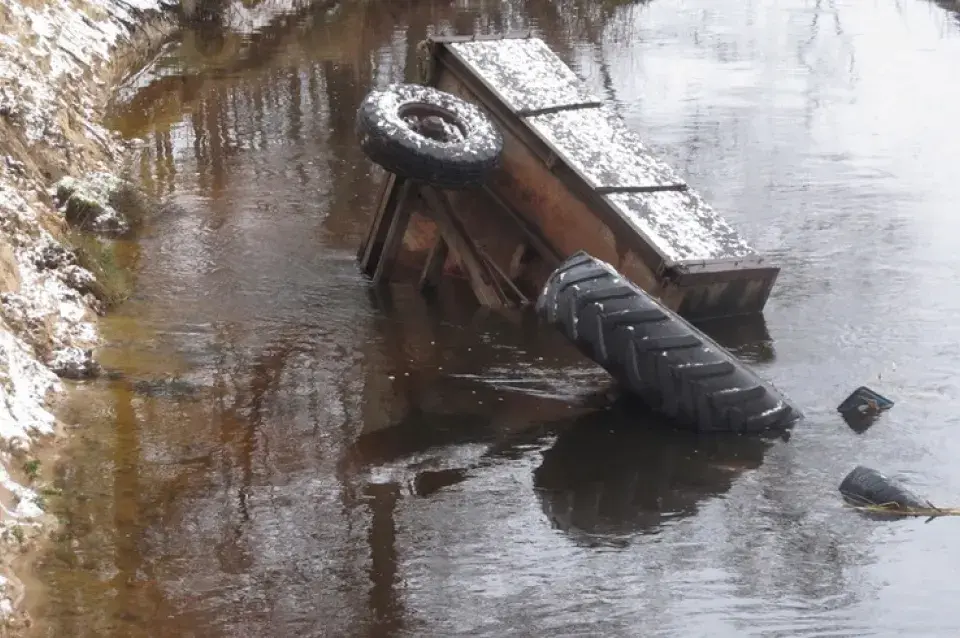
655	354
422	133
866	486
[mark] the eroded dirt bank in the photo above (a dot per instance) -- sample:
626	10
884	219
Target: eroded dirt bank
58	62
61	63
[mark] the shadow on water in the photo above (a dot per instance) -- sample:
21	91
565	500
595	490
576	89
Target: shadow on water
746	337
616	473
606	474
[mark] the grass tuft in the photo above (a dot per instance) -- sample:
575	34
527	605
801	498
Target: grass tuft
114	283
32	469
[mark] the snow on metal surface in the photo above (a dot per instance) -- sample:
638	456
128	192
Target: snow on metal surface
529	76
525	72
598	143
681	225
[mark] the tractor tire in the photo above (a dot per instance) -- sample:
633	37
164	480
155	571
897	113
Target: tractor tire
656	355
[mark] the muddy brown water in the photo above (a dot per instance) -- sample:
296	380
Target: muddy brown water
287	452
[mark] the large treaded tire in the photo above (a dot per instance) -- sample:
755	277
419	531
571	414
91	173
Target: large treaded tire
655	354
387	138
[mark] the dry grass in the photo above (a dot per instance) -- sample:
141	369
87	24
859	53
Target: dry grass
894	509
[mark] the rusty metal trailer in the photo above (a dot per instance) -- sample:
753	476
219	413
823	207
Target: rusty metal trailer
572	177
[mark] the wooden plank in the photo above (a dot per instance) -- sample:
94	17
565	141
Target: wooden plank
481	279
516	260
396	219
370	249
433	268
505	278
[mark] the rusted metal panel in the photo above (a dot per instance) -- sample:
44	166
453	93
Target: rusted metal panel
531	234
717	292
724	298
569	223
547	171
483	37
583	180
540	184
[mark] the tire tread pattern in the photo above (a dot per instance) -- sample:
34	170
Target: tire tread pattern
657	355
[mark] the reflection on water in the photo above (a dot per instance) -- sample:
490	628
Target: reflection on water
613	475
283	451
952	6
747	338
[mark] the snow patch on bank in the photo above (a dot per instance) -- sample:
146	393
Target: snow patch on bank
42	314
89	202
54	57
41	319
53	72
56	41
24	383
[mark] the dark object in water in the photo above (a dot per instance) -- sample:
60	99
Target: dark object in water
430	481
865	487
862	408
616	474
656	355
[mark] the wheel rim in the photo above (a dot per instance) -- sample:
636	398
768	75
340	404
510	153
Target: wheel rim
433	122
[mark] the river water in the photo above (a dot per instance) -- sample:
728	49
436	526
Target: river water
283	451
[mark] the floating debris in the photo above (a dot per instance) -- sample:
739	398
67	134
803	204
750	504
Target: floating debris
862	408
869	491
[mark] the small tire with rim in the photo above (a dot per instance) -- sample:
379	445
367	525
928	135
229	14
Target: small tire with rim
419	132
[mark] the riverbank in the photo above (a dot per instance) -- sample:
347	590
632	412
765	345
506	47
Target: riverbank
59	63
